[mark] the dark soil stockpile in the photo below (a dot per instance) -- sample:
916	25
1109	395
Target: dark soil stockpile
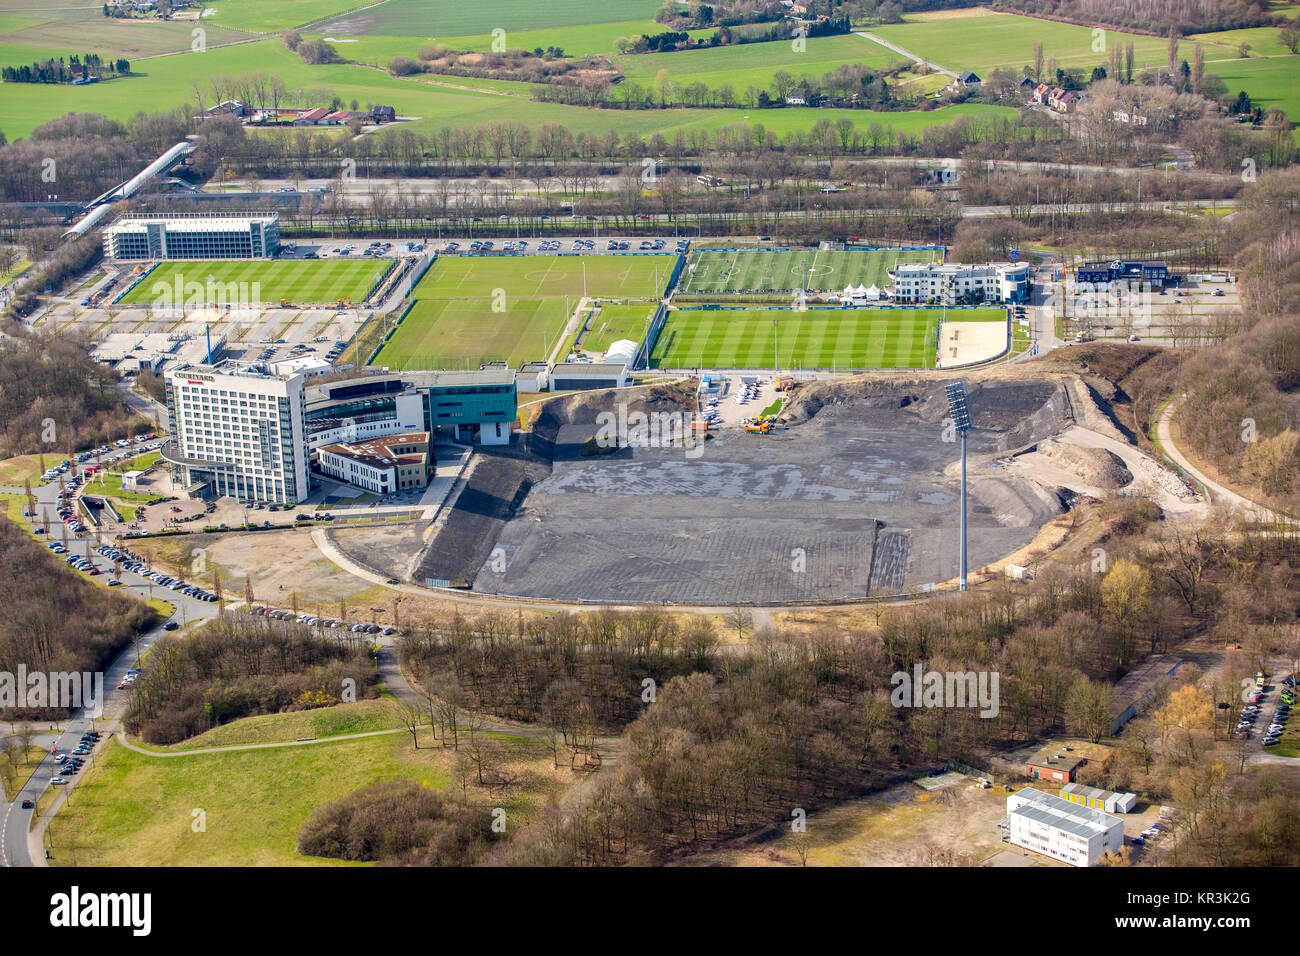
855	497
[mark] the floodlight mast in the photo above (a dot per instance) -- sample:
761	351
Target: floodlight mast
960	410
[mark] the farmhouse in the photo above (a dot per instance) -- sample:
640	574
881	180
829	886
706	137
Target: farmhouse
968	80
383	114
1073	834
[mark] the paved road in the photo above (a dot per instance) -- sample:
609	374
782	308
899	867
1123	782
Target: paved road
901	52
1218	493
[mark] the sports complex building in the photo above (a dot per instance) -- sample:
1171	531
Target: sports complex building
948	284
203	236
251	431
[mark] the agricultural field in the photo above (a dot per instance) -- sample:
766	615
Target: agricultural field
754	64
716	271
614	322
1270	83
110	38
295	281
462	333
545	277
165	82
421	18
978	39
258	16
816	338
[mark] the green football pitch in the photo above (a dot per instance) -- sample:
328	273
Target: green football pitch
758	270
258	281
614	322
545	277
457	333
816	338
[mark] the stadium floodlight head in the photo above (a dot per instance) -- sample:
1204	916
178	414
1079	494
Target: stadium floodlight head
959	408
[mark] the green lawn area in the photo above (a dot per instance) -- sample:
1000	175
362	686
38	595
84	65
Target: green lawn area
21	266
614	322
137	810
14	470
816	338
545	277
753	64
459	333
257	281
430	17
359	718
760	270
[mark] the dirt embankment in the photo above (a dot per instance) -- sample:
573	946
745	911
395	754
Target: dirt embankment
1007	414
564	426
1099	467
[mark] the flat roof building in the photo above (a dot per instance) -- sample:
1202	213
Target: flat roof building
1065	831
383	465
948	284
1096	799
193	237
1055	762
579	376
238	431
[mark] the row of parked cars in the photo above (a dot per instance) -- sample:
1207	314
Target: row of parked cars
70	763
1251	712
313	621
131	562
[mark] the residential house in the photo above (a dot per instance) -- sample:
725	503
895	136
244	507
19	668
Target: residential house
383	114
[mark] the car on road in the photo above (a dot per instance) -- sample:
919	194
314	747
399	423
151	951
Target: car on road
57	782
28	805
170	626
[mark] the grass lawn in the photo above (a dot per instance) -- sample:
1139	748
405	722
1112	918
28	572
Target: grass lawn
294	280
136	810
14	470
457	333
358	718
816	338
761	271
428	17
15	775
545	277
614	322
21	266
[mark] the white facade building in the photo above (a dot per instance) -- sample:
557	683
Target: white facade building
1065	831
198	237
238	431
947	284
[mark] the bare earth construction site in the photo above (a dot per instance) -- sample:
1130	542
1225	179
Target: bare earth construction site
854	497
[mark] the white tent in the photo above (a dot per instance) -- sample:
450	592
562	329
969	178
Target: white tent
873	292
624	350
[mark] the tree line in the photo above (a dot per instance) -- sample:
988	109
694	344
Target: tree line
87	66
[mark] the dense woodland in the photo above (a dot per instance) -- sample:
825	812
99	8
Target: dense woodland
55	398
239	666
397	823
55	618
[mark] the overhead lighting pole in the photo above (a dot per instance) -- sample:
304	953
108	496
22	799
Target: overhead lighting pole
960	411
